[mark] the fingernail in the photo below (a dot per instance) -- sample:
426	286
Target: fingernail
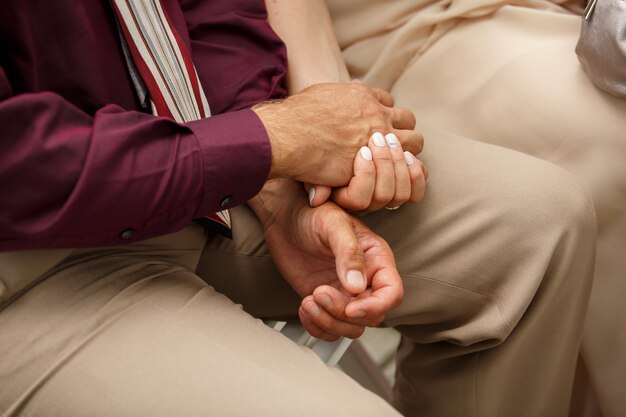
379	140
356	279
409	158
392	140
312	309
323	300
359	314
311	195
366	153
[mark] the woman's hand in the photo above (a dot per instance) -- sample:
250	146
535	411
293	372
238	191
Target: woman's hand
384	176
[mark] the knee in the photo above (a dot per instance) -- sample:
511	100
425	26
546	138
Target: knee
558	241
551	205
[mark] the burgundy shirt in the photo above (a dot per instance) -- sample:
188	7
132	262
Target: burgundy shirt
80	165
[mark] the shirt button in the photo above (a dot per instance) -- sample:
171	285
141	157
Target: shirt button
127	234
226	201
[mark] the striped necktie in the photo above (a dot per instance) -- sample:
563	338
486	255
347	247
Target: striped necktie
165	67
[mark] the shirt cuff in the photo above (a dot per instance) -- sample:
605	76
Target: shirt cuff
237	158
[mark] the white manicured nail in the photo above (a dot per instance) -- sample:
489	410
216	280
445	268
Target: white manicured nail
392	140
311	195
409	158
366	153
379	140
356	279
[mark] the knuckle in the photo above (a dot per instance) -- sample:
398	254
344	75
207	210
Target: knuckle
381	200
425	171
360	203
420	141
398	158
326	322
416	197
383	155
383	114
415	171
351	247
421	170
412	119
360	87
402	196
414	142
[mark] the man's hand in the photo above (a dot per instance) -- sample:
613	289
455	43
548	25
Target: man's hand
345	273
316	133
384	175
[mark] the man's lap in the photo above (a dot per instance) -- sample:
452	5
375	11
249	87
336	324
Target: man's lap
138	333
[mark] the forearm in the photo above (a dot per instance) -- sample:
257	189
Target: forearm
307	31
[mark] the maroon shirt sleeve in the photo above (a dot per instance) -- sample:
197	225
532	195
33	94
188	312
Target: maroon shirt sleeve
234	49
68	179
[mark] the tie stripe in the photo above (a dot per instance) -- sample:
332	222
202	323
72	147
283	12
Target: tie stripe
166	68
161	53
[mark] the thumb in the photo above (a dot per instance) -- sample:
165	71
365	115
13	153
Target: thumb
318	194
349	259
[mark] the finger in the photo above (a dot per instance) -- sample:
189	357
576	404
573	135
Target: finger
402	119
313	329
372	308
328	323
318	194
424	168
333	301
385	174
411	140
401	170
418	178
386	289
349	262
357	195
386	294
382	96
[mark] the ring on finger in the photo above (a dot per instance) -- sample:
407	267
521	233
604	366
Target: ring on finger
394	207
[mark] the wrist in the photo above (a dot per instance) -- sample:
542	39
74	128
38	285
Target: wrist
277	199
283	152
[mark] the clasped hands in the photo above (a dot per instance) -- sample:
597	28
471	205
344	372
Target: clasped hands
345	273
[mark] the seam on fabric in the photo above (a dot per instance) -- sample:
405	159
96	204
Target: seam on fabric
490	298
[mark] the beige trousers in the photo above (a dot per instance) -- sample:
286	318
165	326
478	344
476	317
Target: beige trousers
496	262
508	75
